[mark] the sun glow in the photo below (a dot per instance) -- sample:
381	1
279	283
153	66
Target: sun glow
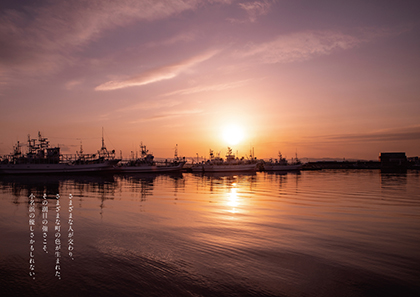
233	134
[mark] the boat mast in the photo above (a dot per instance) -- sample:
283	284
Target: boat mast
43	142
31	144
103	142
104	152
16	150
81	148
229	153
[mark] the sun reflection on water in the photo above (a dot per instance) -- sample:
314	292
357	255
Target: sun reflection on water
233	200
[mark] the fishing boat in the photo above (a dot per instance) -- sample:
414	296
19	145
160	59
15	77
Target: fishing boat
282	164
147	164
231	164
41	158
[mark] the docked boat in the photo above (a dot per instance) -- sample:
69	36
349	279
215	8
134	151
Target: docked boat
147	164
41	158
282	164
231	164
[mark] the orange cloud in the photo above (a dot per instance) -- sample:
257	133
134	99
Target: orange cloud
157	74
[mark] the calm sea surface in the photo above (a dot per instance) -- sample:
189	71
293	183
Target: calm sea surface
317	233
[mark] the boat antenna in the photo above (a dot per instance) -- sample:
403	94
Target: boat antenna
103	142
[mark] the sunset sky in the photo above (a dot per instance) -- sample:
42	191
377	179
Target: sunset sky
321	78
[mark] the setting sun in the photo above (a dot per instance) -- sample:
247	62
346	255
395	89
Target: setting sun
233	134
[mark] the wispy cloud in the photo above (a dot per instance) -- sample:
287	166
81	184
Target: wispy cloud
306	45
183	37
221	1
155	104
40	38
198	89
256	8
157	74
72	84
400	134
299	46
169	114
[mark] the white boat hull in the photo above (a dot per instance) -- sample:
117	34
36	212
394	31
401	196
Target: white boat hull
150	168
56	168
223	168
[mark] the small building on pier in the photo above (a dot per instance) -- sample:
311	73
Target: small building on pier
393	160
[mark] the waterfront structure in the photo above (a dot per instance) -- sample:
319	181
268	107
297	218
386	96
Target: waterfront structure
393	160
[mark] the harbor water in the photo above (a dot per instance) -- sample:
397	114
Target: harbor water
313	233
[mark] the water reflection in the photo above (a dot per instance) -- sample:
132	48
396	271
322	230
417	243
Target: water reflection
141	185
259	234
228	188
284	180
233	196
51	185
393	179
103	187
218	182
